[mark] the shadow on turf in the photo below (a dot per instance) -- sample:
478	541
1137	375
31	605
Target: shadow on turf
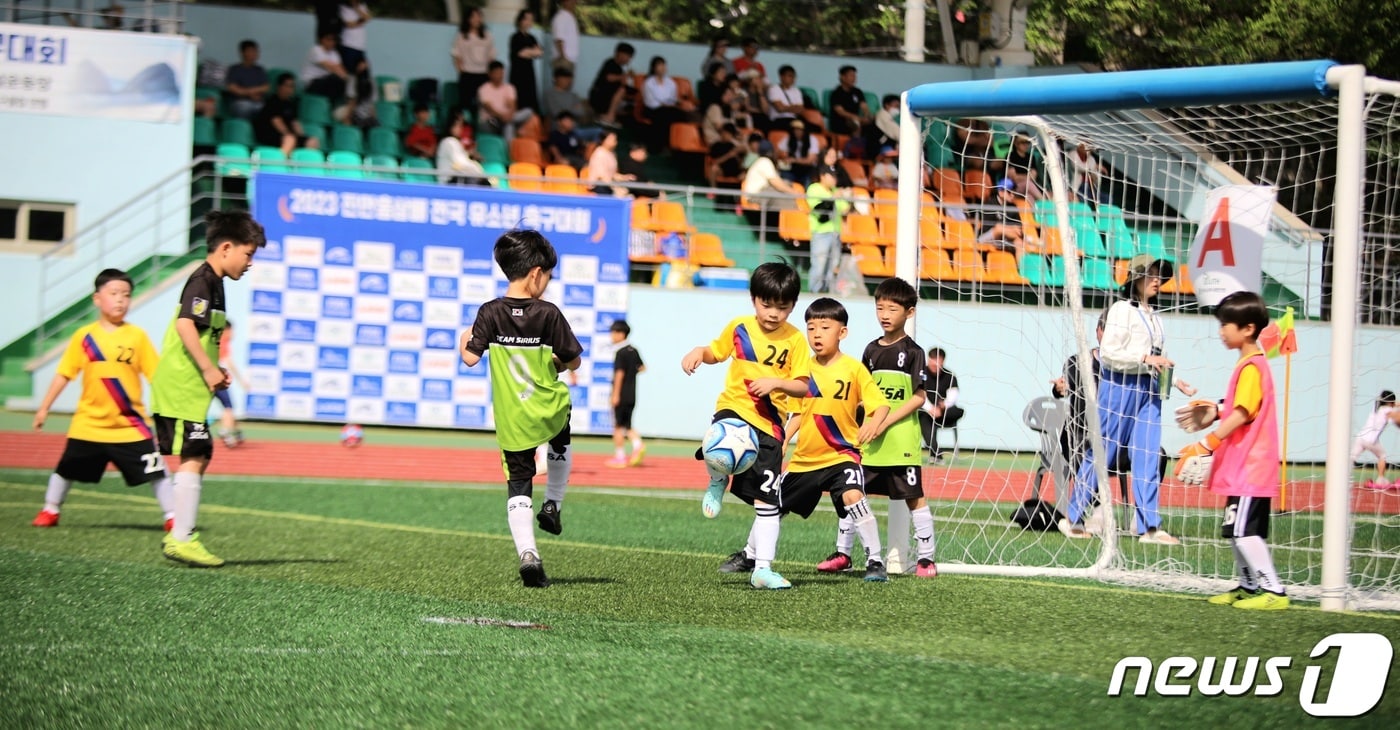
284	561
143	527
583	581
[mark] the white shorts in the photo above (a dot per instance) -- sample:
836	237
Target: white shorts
1372	446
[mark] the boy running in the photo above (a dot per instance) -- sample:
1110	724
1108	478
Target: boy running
110	423
529	343
189	373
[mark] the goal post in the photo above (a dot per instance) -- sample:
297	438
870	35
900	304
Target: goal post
1063	109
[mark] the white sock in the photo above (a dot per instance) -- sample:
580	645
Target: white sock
521	518
845	535
766	527
1242	570
867	526
187	488
636	444
560	465
164	490
897	527
56	493
749	549
619	453
923	532
1256	553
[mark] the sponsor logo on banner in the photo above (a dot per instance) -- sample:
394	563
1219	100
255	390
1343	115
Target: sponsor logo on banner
601	421
367	386
261	406
372	309
599	399
336	332
339	256
436	414
371	283
470	417
267	301
370	360
442	261
339	281
374	256
441	313
296	382
403	362
469	312
610	297
405	337
407	311
440	340
478	288
605	320
303	250
331	385
262	380
331	408
580	320
578	269
408	260
578	296
366	411
435	389
302	278
337	307
473	391
268	274
301	305
297	330
295	407
602	373
442	287
271	252
371	335
401	387
406	413
612	272
585	343
404	285
262	353
333	358
485	265
298	356
438	364
265	328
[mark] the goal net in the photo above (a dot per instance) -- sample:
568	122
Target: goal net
1026	228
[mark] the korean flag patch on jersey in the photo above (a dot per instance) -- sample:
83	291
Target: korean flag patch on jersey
199	307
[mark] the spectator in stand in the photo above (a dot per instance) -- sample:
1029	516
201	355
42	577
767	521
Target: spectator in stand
717	114
886	130
498	112
473	50
750	69
276	124
524	49
602	167
323	74
456	155
941	409
246	83
421	139
850	115
726	156
739	110
785	99
1001	224
798	155
719	54
564	142
354	36
832	158
612	85
661	103
885	174
766	189
712	89
1086	172
1021	168
359	110
824	220
632	168
564	29
561	98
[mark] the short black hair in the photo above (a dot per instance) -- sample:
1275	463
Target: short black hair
844	69
898	291
776	282
523	249
494	65
1387	397
283	78
713	68
937	352
755	137
566	114
625	47
563	72
232	226
749	41
1243	308
887	98
110	275
1103	320
620	325
730	128
246	44
785	69
827	308
420	107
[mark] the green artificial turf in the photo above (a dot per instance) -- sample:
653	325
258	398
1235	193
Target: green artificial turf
318	620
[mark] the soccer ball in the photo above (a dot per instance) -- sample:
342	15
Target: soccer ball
351	435
731	446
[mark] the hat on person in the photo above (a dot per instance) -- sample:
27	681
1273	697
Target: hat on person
886	151
1139	265
765	148
1006	184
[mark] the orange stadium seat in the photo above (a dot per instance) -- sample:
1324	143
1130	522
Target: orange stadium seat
793	225
706	249
525	169
526	149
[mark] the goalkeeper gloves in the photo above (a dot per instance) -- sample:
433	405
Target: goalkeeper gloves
1194	461
1197	414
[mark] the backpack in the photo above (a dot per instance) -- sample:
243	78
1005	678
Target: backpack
1038	515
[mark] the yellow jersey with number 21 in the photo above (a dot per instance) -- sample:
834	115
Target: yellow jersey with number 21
827	433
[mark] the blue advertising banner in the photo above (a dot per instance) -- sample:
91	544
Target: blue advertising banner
364	287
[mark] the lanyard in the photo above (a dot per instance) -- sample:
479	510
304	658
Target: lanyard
1152	335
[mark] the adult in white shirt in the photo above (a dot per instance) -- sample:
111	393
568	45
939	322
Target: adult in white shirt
564	29
354	37
473	50
453	163
785	98
762	179
660	103
322	73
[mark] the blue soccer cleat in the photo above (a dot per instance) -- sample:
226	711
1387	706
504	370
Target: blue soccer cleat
767	579
714	497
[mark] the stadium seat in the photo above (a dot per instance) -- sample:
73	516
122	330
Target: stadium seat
1120	272
685	94
967	265
1098	274
668	216
567	183
641	215
871	261
313	109
492	148
389	114
1180	283
706	249
315	160
811	93
237	131
206	132
345	138
815	120
947	183
424	90
382	81
350	165
685	137
1034	269
1055	275
525	170
1045	212
384	142
793	225
860	229
778	138
526	149
269	159
860	178
384	161
1152	244
318	132
931	232
1086	238
960	234
497	172
1117	235
884	202
234	160
934	265
977	186
1001	268
418	163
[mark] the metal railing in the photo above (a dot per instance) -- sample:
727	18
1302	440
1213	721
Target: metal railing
139	16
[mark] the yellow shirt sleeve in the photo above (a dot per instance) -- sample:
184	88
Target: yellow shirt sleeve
870	394
149	358
73	358
1249	391
723	346
801	358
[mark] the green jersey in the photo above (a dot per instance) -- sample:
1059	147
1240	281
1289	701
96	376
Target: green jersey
521	339
899	371
178	389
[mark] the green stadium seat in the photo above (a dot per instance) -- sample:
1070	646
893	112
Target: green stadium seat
872	100
450	95
316	158
1086	237
816	98
237	131
1117	235
269	159
276	73
384	142
234	159
1033	269
418	163
313	109
492	149
385	161
1056	276
1098	274
206	132
351	165
318	132
345	138
1045	214
389	114
498	171
1152	244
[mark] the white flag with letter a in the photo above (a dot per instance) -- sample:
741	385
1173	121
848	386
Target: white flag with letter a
1227	253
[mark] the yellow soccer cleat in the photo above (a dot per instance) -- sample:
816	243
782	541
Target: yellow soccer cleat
190	552
1231	597
1265	601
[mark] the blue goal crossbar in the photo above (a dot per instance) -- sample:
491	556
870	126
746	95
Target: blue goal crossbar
1154	89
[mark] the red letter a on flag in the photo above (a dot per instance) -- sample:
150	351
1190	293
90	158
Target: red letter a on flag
1218	236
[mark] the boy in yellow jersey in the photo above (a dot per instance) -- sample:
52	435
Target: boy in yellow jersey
189	373
827	456
110	423
892	458
761	345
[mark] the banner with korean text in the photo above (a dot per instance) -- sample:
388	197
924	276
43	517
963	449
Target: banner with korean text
365	286
78	72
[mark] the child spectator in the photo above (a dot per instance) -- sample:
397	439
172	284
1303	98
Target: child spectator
421	140
633	169
1369	439
885	174
456	155
1021	168
627	363
532	404
1244	455
247	83
886	132
189	374
564	143
1001	223
276	125
110	423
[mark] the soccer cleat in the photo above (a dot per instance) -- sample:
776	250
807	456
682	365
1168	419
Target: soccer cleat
766	578
637	455
616	463
190	552
532	570
836	562
549	518
169	524
1265	601
1072	530
927	569
238	438
1231	597
875	572
45	518
737	563
1158	537
713	500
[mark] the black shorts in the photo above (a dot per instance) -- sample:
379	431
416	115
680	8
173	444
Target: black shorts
1245	517
185	439
895	482
84	461
622	415
799	492
520	465
224	399
760	481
